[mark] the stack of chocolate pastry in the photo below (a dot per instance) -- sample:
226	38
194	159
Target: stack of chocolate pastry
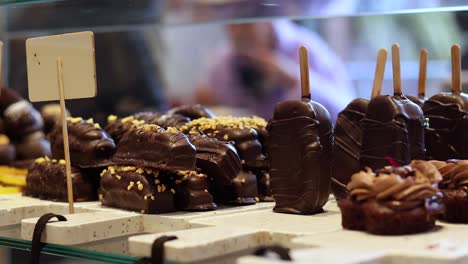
447	134
393	128
155	172
299	147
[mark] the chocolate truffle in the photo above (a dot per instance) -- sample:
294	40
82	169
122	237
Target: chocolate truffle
348	142
33	146
192	191
192	111
394	201
21	119
7	151
137	189
51	115
153	146
47	180
300	141
393	127
90	145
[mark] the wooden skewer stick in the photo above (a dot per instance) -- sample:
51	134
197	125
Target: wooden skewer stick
456	70
396	69
379	72
66	147
304	64
422	74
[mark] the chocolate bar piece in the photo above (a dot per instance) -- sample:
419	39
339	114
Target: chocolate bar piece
47	180
90	146
192	192
192	111
447	134
21	119
137	189
348	142
300	141
263	186
154	147
241	191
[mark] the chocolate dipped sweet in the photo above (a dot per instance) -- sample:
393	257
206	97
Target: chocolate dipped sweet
46	180
192	191
447	134
299	148
393	127
167	120
137	189
241	191
153	146
192	111
117	127
33	146
90	145
21	119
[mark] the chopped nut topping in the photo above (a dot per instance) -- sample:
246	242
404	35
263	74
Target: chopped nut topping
40	160
172	130
243	180
74	120
90	121
97	126
62	162
101	196
152	197
139	186
145	197
173	191
130	185
204	124
257	199
4	140
142	211
111	118
205	190
118	177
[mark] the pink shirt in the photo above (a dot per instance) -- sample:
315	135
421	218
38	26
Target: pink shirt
329	85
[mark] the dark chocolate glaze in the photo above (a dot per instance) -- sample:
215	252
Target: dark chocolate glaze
192	192
393	127
136	190
300	140
146	116
217	159
33	146
166	121
152	146
242	190
192	111
417	100
447	134
263	184
348	142
117	128
7	154
47	180
90	146
21	119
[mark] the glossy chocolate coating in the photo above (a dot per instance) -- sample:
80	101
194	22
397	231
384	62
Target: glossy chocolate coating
136	191
90	146
192	111
166	121
21	119
393	127
447	135
152	146
217	159
47	180
417	100
117	128
348	142
263	184
242	190
300	141
33	146
192	192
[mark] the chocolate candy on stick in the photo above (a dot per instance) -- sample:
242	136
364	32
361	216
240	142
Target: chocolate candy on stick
447	134
348	133
393	126
419	100
299	147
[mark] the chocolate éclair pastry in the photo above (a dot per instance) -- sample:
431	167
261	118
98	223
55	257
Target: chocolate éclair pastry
154	147
393	127
7	151
447	134
454	186
192	111
393	201
51	115
299	147
117	127
137	189
348	142
21	119
33	146
46	179
192	192
90	145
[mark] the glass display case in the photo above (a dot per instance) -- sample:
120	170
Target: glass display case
355	30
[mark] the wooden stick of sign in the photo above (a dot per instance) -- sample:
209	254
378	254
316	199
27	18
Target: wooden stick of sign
456	70
379	72
66	146
422	74
304	66
396	70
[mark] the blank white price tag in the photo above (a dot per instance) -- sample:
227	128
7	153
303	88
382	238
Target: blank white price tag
79	67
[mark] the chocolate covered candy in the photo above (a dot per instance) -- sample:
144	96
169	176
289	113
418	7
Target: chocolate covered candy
33	146
21	119
153	146
192	191
90	146
192	111
117	127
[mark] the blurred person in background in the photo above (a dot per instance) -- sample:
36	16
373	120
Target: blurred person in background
260	67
